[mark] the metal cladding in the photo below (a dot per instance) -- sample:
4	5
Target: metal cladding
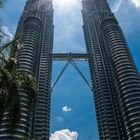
116	83
36	29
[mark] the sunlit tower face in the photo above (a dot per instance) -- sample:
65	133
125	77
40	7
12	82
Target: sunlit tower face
65	4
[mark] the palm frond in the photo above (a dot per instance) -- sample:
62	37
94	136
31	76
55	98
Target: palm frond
3	60
14	115
11	81
4	84
11	64
1	3
29	83
9	97
8	45
13	45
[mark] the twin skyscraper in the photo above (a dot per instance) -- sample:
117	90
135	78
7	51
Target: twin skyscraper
115	80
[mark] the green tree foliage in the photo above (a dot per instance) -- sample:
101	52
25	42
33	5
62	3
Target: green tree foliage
11	81
1	3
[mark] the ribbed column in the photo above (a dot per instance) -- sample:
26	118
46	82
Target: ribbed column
127	78
36	30
30	36
27	63
105	111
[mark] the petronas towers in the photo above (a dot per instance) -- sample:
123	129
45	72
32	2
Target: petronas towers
115	80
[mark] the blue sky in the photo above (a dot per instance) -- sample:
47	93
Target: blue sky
72	106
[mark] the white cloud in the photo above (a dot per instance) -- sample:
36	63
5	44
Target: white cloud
117	5
136	3
66	109
64	134
6	32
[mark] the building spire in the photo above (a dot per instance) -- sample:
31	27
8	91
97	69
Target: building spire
97	5
39	5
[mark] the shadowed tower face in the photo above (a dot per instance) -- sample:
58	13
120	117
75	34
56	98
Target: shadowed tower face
36	25
115	80
36	29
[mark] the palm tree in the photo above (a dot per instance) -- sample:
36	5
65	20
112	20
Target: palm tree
4	36
1	3
11	80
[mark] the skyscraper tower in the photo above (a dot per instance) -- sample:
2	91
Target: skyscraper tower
115	80
36	28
